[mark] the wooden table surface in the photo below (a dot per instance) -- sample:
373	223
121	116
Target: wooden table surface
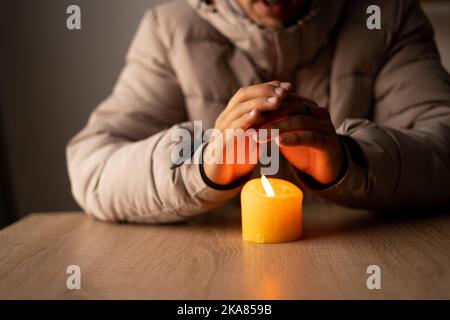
207	259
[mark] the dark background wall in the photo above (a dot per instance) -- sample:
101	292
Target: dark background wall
52	78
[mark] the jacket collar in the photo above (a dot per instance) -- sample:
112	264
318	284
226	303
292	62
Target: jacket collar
276	52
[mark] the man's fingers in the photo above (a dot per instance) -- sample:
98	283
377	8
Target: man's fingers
302	123
245	121
304	107
274	88
260	104
305	139
289	108
263	97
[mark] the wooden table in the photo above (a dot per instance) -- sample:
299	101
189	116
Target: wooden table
206	258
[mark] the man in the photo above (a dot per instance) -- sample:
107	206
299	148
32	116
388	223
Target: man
377	135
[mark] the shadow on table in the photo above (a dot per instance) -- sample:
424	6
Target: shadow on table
328	220
320	220
337	221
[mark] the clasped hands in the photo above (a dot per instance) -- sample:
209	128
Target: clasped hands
307	137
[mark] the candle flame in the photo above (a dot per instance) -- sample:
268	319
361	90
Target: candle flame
267	186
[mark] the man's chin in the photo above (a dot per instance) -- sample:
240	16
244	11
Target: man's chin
273	25
269	22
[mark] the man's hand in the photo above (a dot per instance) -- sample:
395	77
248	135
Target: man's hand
243	111
307	138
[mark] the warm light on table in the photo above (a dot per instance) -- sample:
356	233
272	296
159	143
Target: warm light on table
271	211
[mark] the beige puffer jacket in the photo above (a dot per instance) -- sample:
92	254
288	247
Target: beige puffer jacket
384	88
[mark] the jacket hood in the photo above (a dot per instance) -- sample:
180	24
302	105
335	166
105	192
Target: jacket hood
276	52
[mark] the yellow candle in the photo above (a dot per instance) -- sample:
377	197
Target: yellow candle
271	211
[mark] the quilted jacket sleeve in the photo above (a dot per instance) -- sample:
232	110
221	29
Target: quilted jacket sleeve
407	146
120	164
